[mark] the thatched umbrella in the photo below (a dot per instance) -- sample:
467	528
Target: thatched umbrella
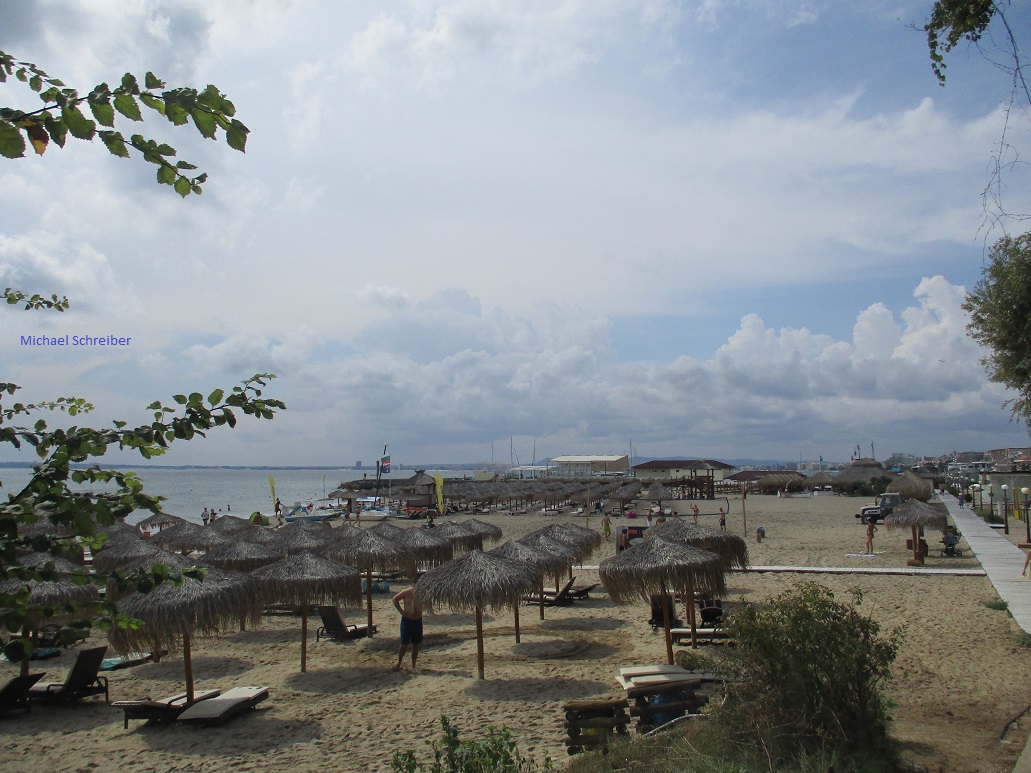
231	525
558	549
656	566
657	493
916	515
460	535
259	535
119	531
174	614
488	531
304	538
371	552
479	581
242	556
386	529
161	520
186	537
305	579
543	563
124	552
425	546
628	492
732	550
911	486
820	479
585	540
174	561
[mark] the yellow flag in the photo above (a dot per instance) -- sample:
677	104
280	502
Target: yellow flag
440	493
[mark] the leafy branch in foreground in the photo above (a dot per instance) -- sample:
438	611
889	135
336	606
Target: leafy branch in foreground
62	115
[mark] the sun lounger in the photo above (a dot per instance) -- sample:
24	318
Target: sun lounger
83	681
14	696
559	599
162	709
229	704
127	661
333	627
582	591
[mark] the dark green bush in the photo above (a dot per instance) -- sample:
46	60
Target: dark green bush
810	671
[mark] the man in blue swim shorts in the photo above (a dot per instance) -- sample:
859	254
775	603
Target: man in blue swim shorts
411	625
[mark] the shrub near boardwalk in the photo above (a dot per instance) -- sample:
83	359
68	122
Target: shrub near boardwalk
808	671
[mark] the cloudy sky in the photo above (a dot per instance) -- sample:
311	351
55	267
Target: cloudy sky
713	228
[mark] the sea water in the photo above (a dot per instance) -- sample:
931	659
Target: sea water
231	491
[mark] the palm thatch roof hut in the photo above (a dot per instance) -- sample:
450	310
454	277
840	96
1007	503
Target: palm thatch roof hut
425	546
732	550
488	531
303	579
460	535
911	486
655	566
860	472
476	581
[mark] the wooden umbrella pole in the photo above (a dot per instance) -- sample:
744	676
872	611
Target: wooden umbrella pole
917	553
479	642
368	594
188	665
515	611
664	600
542	598
691	615
25	660
304	636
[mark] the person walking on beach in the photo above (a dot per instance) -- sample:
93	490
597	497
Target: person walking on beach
723	520
411	625
694	513
606	527
205	516
870	529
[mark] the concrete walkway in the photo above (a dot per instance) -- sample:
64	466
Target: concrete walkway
1003	562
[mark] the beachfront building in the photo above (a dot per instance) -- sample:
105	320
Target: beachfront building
698	475
586	466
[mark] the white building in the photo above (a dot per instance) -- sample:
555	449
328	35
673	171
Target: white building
586	466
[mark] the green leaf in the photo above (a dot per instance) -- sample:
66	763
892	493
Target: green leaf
166	176
103	112
236	136
56	129
154	103
176	114
129	84
12	143
182	187
205	122
151	81
115	143
127	106
78	125
35	83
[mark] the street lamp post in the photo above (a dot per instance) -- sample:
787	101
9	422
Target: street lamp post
1027	513
1005	508
991	501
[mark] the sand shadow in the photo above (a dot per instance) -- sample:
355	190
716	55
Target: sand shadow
343	680
88	715
204	668
535	690
562	649
271	635
583	624
435	641
253	732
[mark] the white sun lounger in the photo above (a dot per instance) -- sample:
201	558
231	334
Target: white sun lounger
226	706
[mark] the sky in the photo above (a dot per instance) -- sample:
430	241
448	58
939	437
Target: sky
711	228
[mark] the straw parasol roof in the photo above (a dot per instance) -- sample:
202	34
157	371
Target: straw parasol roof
476	581
732	550
386	528
862	471
822	478
425	546
585	540
124	552
544	563
655	566
161	520
656	492
231	525
242	556
305	579
915	515
371	552
303	538
488	531
174	614
911	486
188	537
460	535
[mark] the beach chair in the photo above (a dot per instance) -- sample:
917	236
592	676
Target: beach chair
229	704
580	592
14	696
83	681
559	599
163	709
334	627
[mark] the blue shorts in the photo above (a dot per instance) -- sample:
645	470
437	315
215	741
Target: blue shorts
411	631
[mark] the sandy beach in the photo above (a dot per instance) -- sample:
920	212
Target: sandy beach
961	674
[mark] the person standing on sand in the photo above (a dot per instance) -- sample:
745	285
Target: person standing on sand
411	625
694	512
870	529
205	517
723	520
606	527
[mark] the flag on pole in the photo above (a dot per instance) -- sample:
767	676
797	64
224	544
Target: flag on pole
384	464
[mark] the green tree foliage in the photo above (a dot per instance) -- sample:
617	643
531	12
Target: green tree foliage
63	115
1000	318
953	21
809	674
69	500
